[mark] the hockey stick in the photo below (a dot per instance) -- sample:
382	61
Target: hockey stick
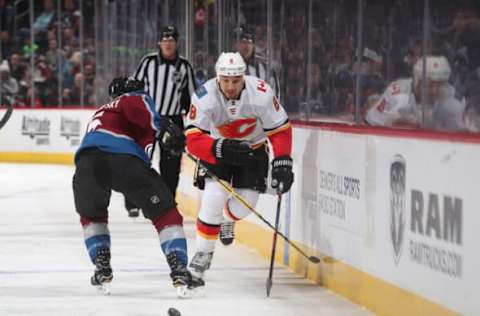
240	199
150	154
7	115
274	245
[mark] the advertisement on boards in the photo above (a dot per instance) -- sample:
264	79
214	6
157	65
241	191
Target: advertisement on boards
340	191
44	130
328	200
425	215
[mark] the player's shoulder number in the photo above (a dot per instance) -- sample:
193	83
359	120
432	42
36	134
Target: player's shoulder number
262	85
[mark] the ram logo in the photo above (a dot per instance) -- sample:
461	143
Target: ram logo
397	205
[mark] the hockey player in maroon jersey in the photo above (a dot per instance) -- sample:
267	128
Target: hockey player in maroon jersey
115	155
230	120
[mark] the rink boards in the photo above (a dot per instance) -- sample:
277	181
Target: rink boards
396	211
43	136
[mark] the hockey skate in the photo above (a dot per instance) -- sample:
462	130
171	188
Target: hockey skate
103	276
200	263
186	284
227	232
133	213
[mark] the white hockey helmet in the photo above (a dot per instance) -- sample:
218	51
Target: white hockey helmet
438	69
230	65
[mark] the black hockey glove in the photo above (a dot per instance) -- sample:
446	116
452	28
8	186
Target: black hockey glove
282	175
232	151
170	137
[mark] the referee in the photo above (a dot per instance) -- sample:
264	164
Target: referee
256	63
169	80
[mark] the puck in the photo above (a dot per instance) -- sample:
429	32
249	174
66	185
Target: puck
173	312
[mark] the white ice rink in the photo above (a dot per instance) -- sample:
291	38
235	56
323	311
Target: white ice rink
45	270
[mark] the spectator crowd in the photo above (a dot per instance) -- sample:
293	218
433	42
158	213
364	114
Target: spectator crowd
47	64
312	54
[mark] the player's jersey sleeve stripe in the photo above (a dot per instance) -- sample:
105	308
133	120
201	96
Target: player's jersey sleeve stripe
200	145
286	125
281	142
194	130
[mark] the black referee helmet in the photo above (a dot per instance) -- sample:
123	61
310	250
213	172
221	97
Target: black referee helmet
169	31
245	32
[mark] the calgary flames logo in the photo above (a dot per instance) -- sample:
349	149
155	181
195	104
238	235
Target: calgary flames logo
238	128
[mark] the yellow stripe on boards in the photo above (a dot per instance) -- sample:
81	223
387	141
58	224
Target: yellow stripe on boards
376	295
380	297
37	157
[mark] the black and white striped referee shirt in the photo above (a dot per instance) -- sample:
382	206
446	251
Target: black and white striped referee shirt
257	66
170	83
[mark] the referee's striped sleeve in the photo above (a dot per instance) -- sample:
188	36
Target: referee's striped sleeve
192	85
276	83
140	72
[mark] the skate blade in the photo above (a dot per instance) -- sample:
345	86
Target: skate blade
104	289
184	292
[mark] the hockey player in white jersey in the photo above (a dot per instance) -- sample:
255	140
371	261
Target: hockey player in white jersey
230	120
400	105
255	66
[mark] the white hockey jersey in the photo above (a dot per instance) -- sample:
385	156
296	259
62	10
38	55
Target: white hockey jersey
398	104
251	118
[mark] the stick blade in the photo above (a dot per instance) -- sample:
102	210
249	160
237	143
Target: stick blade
314	259
269	286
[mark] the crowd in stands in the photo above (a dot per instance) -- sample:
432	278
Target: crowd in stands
318	70
61	62
392	41
315	60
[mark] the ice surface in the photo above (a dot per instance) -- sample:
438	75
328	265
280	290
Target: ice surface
45	270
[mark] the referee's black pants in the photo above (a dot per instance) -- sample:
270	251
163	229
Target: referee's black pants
169	166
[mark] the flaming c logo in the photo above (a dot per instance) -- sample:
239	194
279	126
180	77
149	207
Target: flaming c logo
238	128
